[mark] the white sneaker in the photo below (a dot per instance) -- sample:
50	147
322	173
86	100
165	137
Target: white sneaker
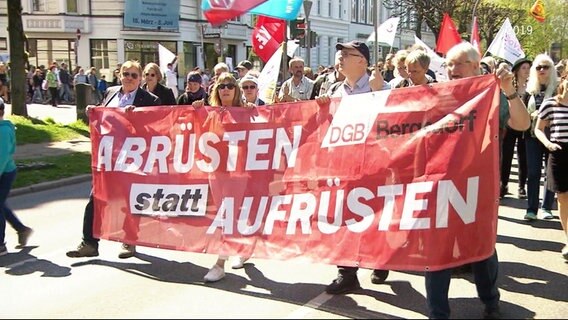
216	273
239	262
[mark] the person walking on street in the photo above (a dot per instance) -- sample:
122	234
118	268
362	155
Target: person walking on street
152	78
462	61
541	85
521	69
172	78
354	58
553	113
65	82
126	96
8	175
52	84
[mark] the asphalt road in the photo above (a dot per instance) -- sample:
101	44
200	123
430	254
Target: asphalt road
39	281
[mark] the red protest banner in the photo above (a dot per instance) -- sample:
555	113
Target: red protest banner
405	179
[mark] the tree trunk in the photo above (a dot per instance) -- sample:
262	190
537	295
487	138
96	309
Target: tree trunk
18	59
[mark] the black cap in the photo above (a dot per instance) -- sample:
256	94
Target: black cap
357	45
194	76
244	64
520	62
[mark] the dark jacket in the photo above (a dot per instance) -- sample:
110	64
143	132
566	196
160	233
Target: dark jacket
187	98
165	94
143	98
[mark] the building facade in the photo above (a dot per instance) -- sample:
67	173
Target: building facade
104	33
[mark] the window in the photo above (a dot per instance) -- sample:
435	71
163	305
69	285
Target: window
38	5
104	56
340	12
362	12
72	6
318	7
371	13
354	10
46	51
329	10
189	58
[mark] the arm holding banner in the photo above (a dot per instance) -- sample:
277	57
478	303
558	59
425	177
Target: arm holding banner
519	117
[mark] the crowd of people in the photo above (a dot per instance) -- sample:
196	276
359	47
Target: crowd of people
532	92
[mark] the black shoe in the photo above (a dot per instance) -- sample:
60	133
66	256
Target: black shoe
84	250
522	193
343	284
24	236
503	191
492	313
379	276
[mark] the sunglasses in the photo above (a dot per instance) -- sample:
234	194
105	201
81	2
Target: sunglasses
229	86
127	74
150	74
249	87
539	68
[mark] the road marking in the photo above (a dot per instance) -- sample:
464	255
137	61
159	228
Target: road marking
315	303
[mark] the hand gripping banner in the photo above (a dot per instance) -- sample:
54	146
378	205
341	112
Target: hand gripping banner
404	179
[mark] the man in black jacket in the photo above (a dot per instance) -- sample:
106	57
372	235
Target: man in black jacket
128	95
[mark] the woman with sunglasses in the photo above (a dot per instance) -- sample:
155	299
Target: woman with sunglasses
152	78
127	96
224	93
541	85
552	114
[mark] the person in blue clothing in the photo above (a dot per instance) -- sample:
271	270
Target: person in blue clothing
8	171
101	87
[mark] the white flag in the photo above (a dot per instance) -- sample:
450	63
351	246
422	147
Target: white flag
386	32
165	56
505	45
269	75
437	63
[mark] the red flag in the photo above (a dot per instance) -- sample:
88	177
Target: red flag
267	36
448	36
475	40
219	11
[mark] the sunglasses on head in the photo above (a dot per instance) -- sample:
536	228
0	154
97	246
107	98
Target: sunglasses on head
249	87
150	74
127	74
543	67
229	86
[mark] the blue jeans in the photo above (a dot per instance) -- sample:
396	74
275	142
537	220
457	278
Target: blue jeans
65	92
6	181
536	154
485	274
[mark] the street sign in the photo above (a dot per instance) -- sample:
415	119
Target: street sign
215	35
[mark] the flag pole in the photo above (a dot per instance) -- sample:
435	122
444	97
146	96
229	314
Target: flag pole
473	21
376	27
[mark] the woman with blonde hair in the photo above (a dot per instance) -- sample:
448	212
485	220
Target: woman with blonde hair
541	85
152	78
225	93
553	114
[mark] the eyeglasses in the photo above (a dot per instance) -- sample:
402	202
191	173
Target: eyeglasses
345	54
150	74
543	67
249	87
229	86
127	74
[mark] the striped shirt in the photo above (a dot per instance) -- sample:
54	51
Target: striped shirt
557	116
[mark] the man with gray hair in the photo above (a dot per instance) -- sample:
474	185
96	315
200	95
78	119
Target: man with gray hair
297	87
463	61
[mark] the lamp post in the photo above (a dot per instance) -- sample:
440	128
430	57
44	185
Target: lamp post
307	8
78	37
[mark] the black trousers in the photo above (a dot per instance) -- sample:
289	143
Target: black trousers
511	138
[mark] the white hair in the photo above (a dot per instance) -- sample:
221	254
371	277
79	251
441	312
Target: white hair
533	85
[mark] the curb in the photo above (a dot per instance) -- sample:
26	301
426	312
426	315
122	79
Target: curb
50	185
